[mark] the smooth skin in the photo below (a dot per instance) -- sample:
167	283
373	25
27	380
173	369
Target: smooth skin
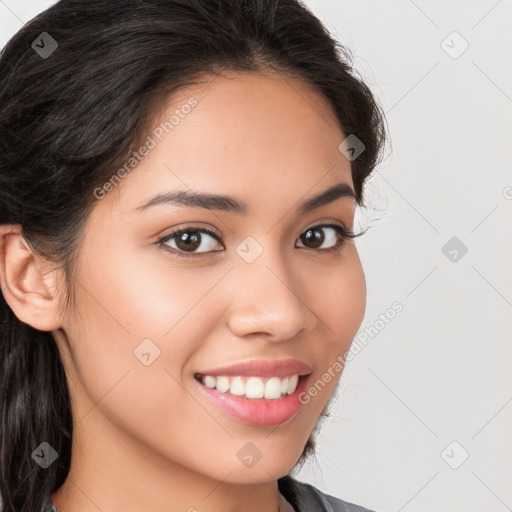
145	437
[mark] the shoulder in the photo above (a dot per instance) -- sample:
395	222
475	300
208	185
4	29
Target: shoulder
307	498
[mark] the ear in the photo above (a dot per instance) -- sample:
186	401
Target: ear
27	285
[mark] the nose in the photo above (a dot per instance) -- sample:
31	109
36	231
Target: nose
270	300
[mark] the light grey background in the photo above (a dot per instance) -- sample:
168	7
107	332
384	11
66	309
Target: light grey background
439	372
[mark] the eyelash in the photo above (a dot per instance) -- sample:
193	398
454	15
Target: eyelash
344	234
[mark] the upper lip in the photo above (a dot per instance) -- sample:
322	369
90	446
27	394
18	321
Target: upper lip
263	368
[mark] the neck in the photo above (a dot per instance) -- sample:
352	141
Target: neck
122	475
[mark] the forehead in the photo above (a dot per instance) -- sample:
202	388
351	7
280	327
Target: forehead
245	135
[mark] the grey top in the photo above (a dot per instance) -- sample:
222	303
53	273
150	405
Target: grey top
303	498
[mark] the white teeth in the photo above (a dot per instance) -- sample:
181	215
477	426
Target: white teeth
252	387
222	384
292	383
237	386
284	386
210	381
273	388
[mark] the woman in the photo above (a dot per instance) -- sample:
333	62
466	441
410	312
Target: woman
180	282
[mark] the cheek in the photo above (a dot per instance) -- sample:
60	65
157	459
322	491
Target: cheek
343	299
153	310
146	297
131	313
340	304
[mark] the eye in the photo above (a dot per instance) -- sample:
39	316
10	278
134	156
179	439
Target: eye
184	242
187	240
335	238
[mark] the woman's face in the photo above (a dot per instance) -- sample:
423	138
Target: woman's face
147	320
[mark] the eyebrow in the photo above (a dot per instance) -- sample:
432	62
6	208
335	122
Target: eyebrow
231	204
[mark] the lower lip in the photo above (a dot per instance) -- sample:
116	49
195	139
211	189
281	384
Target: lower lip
260	412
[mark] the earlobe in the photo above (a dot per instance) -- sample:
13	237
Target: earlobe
30	292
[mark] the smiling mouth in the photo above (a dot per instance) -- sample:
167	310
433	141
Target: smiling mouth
251	387
253	399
